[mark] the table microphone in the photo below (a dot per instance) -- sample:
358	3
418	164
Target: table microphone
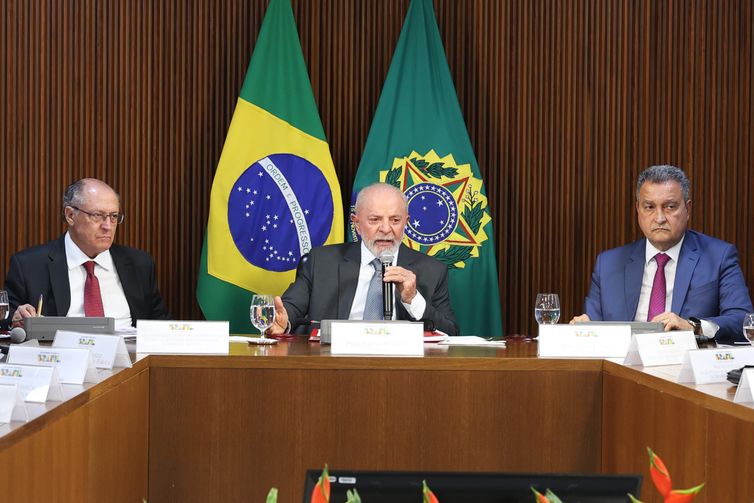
17	335
386	259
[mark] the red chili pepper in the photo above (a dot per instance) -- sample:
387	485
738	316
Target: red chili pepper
321	491
428	495
659	473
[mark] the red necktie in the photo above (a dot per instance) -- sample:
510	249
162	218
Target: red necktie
657	297
92	296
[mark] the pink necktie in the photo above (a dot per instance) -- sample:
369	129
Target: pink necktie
657	297
92	296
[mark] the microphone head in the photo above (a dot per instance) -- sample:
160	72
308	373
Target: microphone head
17	335
386	258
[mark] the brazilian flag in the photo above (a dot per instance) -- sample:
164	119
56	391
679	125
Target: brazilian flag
275	195
418	142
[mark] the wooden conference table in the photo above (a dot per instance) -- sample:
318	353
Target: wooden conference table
227	428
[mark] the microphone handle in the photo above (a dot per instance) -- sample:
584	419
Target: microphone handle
387	297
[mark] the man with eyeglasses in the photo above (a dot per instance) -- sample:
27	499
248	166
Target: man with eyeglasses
83	273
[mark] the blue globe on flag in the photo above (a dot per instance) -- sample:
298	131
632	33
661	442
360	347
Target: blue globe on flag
433	211
279	209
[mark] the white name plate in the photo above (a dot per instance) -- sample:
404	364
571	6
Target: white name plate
183	337
744	391
377	338
584	341
108	351
75	366
705	366
36	384
660	348
12	407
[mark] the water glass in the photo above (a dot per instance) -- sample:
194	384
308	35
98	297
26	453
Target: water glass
547	308
4	307
749	327
262	312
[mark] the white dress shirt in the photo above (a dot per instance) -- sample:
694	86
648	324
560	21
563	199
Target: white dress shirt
113	298
650	267
366	271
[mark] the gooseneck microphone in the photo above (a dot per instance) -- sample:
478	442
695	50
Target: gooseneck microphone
386	259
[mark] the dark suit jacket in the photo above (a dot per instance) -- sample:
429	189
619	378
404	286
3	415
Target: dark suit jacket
709	284
325	286
43	270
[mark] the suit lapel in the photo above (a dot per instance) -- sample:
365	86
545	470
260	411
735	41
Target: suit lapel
348	277
633	274
61	288
687	261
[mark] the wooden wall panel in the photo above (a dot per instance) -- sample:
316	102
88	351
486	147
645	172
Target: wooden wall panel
565	102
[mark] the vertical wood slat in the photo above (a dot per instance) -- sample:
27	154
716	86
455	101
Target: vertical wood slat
565	102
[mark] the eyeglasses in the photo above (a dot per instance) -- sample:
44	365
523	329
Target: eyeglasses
98	218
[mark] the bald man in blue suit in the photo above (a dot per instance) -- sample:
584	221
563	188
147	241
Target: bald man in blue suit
706	291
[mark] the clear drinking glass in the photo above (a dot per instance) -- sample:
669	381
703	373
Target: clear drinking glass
262	313
749	327
4	307
547	308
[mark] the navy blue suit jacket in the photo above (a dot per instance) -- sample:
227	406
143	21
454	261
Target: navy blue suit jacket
709	284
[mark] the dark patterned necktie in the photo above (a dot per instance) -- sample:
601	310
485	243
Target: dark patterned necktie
92	295
659	290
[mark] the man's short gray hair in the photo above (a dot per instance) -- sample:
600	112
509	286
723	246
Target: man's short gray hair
363	193
662	174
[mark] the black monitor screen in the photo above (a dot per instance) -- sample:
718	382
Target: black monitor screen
399	487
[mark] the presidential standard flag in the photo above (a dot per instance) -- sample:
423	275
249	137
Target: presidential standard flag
275	194
419	143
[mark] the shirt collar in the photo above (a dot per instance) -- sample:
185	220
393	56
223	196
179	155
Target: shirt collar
76	258
673	252
367	256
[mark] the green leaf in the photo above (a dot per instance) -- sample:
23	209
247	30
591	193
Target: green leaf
453	255
353	496
450	172
633	500
419	163
552	497
272	496
393	177
473	216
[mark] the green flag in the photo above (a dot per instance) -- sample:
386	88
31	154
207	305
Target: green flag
275	194
419	143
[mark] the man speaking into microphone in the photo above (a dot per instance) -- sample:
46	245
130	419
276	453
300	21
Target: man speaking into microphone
346	281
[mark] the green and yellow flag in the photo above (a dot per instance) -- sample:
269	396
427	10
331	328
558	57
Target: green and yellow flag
275	194
419	143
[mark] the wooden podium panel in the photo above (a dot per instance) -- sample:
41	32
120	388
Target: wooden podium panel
254	426
730	460
92	448
701	437
227	428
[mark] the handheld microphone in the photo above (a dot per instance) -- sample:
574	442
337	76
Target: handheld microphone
17	335
386	259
